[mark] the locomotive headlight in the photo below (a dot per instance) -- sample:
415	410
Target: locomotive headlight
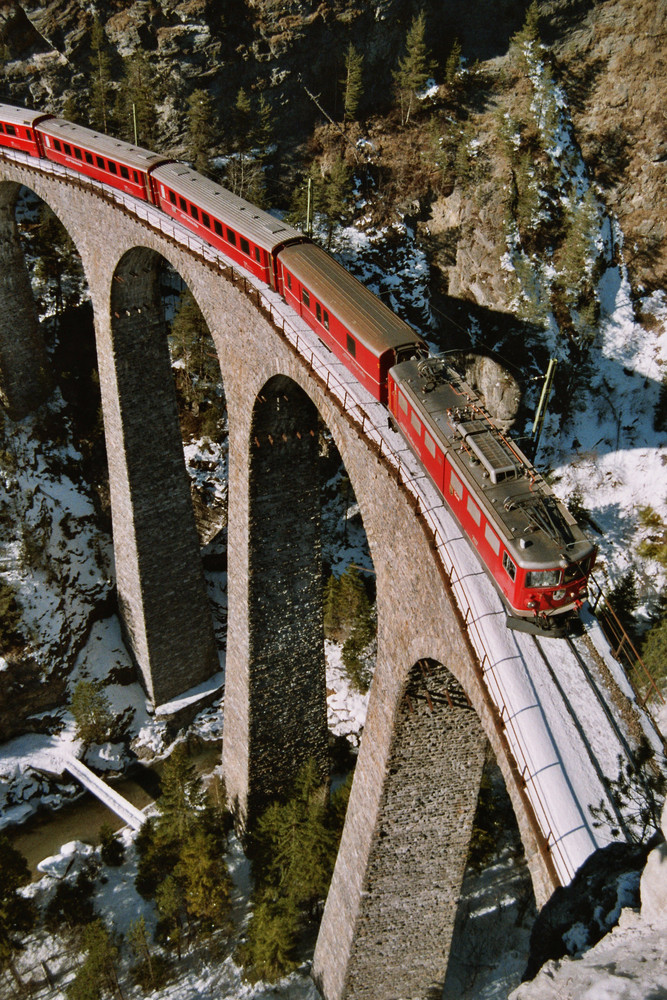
558	595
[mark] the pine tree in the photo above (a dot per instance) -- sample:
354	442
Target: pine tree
335	194
333	617
243	121
654	651
453	64
140	945
17	914
92	712
182	799
98	973
136	100
414	68
57	264
524	43
352	83
205	880
264	128
201	129
272	936
112	850
624	600
100	79
170	904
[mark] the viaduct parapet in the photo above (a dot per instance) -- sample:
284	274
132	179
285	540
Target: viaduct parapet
389	915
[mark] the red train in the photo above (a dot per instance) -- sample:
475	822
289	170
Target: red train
530	545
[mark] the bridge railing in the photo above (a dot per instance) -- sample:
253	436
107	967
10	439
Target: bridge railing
623	649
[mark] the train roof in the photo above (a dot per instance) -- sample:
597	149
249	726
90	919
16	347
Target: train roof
105	145
20	116
357	308
536	527
264	230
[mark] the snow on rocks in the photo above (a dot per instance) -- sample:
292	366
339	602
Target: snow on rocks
346	708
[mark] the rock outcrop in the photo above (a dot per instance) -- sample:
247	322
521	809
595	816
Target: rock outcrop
629	962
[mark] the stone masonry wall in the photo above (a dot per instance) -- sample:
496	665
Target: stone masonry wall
287	672
159	576
416	866
25	370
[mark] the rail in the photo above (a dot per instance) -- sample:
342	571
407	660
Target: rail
371	422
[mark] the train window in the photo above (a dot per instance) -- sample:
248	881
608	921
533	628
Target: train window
258	255
543	578
217	227
351	346
2	127
305	295
492	539
28	133
509	566
402	402
56	143
78	153
231	237
89	157
124	172
318	312
98	160
456	486
474	511
172	197
326	320
416	422
10	130
135	176
289	281
67	148
194	212
182	204
245	247
430	443
574	571
206	220
113	169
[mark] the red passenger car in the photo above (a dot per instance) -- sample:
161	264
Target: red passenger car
98	156
243	232
360	330
17	129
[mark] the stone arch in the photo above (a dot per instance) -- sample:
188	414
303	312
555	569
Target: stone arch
159	577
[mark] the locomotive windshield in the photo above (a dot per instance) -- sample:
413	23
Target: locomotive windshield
576	570
543	578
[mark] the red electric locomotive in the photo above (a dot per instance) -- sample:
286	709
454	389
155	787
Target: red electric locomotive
534	550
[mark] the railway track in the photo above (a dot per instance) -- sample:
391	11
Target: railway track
575	711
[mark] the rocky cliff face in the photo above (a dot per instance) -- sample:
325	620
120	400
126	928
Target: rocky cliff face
608	59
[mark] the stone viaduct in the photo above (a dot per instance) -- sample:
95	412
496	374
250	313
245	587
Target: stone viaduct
388	919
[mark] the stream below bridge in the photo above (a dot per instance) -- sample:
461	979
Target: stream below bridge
43	834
